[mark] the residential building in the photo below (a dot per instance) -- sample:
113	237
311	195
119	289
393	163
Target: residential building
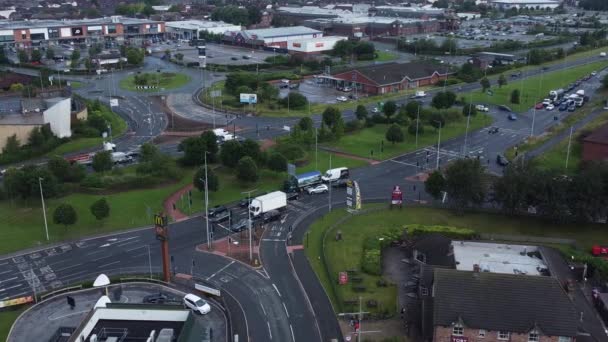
389	77
595	145
495	307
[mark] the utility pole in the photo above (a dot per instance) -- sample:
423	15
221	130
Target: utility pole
417	123
329	184
316	149
359	316
207	203
46	226
249	222
569	144
466	132
438	144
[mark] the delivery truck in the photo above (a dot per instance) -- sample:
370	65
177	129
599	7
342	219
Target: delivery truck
332	175
276	200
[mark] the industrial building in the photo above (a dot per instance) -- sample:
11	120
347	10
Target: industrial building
271	37
536	4
191	29
373	26
27	33
313	45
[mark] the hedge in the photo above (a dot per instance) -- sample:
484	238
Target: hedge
371	262
451	232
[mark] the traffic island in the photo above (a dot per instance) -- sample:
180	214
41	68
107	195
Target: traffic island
236	246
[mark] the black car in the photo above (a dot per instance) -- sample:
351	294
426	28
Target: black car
218	209
292	196
493	130
340	183
245	202
270	216
234	58
221	217
504	108
158	298
239	226
502	160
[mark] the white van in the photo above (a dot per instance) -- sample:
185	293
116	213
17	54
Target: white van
197	304
335	174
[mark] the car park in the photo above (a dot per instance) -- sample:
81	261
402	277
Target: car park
158	298
196	304
563	107
341	98
512	117
318	189
493	130
550	107
502	160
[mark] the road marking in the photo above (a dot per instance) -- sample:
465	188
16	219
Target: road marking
54	318
103	257
112	263
134	249
126	243
73	274
9	271
220	270
89	254
11	287
285	307
263	310
7	280
4	263
269	332
274	240
404	163
292	335
275	287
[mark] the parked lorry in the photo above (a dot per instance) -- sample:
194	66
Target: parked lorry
580	92
301	181
120	157
335	174
420	94
556	94
276	200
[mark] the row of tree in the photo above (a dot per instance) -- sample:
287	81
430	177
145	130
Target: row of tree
361	50
526	188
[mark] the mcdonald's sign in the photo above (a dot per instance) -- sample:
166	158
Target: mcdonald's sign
160	227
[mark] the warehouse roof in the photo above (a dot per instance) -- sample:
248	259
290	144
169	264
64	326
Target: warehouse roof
279	32
197	24
12	25
503	302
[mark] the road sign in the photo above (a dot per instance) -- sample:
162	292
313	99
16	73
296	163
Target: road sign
353	195
113	102
216	93
397	196
248	98
291	169
343	278
160	227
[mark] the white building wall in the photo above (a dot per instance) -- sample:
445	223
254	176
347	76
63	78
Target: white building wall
40	30
58	116
66	32
314	45
277	40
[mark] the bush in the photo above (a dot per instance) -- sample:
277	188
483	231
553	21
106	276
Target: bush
290	151
379	119
412	128
353	125
447	231
93	180
294	100
452	115
277	162
246	170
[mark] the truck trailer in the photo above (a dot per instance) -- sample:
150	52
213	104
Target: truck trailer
276	200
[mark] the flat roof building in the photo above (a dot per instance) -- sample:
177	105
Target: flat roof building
498	258
271	37
191	29
507	4
313	45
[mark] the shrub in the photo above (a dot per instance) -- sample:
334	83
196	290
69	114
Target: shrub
353	125
412	128
451	232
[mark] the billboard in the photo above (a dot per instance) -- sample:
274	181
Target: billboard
397	196
248	98
353	195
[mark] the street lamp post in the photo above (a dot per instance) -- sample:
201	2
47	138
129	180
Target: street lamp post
249	222
149	261
46	226
438	144
329	184
207	203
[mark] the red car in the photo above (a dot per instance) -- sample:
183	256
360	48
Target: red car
539	105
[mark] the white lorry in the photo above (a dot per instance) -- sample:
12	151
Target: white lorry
335	174
120	157
273	201
223	135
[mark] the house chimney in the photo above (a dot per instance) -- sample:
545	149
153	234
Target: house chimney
476	268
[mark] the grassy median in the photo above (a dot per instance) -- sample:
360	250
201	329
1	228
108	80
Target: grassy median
161	81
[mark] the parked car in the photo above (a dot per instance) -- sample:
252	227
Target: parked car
292	196
375	110
482	108
563	107
239	225
493	130
270	216
572	108
502	160
218	209
539	105
512	117
196	304
318	189
158	298
550	107
341	98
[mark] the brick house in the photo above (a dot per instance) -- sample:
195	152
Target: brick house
391	77
473	306
595	145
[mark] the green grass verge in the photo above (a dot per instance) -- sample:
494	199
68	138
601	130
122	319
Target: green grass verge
533	89
361	143
555	158
346	254
7	318
385	56
127	210
176	80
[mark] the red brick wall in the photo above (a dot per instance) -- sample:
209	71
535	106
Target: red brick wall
444	334
594	151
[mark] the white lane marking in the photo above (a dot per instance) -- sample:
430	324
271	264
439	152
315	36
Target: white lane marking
54	318
285	307
68	267
103	257
99	251
6	272
274	240
220	270
263	310
4	263
404	163
11	287
276	288
269	332
136	248
292	335
7	280
126	243
112	263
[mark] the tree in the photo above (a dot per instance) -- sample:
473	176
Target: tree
210	141
402	118
88	64
394	134
246	170
502	80
179	56
231	153
361	112
443	99
338	128
100	209
537	56
50	53
36	56
64	171
267	92
330	116
390	107
23	57
412	108
194	149
512	190
437	120
415	126
75	56
12	145
469	109
65	214
435	184
277	162
102	161
135	56
294	100
515	96
485	84
147	152
251	148
199	180
465	183
306	124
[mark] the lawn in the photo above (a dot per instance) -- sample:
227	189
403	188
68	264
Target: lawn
346	254
533	89
127	210
164	81
384	56
7	318
363	142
